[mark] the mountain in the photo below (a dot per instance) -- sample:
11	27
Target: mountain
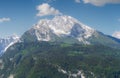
60	26
5	43
62	47
69	30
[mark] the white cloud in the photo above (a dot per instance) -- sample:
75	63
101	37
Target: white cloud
4	20
116	34
77	1
101	2
45	9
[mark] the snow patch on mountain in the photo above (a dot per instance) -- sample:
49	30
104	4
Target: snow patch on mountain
116	34
11	76
71	75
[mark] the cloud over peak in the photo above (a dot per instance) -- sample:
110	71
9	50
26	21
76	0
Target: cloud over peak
45	9
101	2
4	20
98	2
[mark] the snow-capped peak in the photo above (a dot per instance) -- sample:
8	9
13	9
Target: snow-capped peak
66	23
62	25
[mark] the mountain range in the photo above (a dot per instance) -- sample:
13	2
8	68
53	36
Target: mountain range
61	29
61	47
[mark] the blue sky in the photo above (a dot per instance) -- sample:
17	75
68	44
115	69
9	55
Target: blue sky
17	16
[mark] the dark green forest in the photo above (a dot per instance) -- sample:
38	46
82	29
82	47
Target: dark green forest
43	59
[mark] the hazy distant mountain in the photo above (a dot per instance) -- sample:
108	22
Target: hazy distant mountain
5	43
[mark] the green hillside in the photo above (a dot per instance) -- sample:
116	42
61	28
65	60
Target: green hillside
48	60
